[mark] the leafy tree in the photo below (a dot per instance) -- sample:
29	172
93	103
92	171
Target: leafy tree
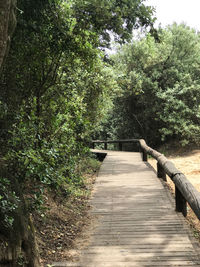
117	17
159	87
52	92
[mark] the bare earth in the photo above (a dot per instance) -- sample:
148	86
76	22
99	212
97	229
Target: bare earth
189	164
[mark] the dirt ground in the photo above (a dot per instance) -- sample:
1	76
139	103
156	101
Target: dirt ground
188	162
61	231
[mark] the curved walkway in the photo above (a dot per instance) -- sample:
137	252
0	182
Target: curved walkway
136	222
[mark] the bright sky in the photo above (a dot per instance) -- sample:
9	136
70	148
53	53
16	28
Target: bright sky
169	11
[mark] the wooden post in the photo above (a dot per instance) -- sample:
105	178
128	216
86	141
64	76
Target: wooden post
93	145
105	146
181	203
160	172
120	146
144	156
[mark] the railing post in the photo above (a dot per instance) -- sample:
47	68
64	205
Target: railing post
144	155
120	146
93	145
105	146
161	172
181	203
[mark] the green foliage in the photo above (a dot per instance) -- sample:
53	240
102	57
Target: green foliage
54	89
160	88
88	165
118	17
8	202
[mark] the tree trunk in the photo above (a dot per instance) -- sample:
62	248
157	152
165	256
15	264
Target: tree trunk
18	247
7	25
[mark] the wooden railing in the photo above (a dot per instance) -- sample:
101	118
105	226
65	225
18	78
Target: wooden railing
119	142
185	192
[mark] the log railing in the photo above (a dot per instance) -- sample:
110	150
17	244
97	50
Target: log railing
185	192
119	142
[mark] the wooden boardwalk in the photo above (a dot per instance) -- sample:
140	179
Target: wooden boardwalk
136	222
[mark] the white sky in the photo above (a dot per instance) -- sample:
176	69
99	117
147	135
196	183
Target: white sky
169	11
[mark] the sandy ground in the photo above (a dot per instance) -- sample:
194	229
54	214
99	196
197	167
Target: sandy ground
189	164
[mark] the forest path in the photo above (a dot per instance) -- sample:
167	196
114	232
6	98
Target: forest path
135	221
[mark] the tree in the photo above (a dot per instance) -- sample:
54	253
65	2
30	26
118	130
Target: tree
116	17
8	23
51	92
159	87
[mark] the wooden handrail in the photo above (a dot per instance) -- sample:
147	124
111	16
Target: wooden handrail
116	141
185	192
120	142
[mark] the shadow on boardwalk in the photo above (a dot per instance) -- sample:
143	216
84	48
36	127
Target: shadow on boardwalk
136	224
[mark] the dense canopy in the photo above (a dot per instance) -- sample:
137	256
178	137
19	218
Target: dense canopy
159	98
54	86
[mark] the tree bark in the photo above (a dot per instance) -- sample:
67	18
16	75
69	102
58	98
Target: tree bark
7	25
18	246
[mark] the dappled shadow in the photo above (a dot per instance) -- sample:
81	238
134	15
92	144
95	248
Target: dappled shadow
136	222
141	228
183	152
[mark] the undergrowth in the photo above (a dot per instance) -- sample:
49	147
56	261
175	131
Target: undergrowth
65	214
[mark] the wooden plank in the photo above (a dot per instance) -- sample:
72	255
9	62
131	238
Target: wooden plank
134	223
180	264
185	191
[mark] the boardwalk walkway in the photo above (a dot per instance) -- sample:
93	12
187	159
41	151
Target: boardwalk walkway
136	222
